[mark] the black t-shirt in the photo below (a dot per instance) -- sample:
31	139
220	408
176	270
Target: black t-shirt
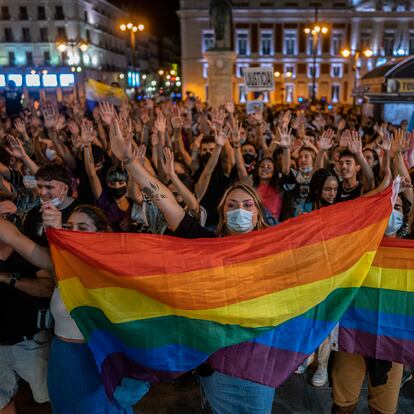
217	186
33	227
18	310
190	228
345	195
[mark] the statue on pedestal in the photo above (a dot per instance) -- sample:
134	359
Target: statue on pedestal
221	21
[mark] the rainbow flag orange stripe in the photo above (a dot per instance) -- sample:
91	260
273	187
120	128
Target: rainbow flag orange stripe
379	322
153	307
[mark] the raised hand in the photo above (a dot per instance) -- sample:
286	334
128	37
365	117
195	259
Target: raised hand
160	123
236	134
221	135
15	147
88	134
384	140
345	139
168	162
107	112
176	119
401	141
325	142
355	144
50	118
140	153
285	119
217	118
20	126
285	137
121	145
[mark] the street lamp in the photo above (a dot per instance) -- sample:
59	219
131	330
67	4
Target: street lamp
133	29
316	30
72	44
346	53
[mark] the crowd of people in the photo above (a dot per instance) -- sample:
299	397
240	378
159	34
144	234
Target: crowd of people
183	169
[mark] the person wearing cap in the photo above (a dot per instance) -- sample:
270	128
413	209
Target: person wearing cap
53	182
25	293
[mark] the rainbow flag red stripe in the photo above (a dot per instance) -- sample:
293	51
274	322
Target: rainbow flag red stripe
153	307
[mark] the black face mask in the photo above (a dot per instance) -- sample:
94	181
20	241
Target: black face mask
248	158
324	202
117	193
205	158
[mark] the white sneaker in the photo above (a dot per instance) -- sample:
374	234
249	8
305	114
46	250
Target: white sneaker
320	377
301	369
304	365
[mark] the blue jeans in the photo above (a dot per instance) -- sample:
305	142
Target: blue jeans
231	395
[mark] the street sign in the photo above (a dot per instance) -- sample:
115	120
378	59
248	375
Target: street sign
258	79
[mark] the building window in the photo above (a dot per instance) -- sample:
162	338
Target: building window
242	94
365	40
242	42
59	13
388	43
290	42
289	70
266	43
309	45
208	41
289	93
336	43
29	58
336	70
335	90
313	70
85	16
205	70
26	34
23	13
8	34
61	33
310	90
411	44
44	35
5	15
12	59
88	35
46	57
41	13
239	69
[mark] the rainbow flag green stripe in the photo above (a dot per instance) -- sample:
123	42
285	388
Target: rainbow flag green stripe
152	307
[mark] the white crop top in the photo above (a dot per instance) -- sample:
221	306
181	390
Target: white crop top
65	326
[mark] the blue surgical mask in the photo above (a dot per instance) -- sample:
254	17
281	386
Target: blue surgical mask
239	220
394	223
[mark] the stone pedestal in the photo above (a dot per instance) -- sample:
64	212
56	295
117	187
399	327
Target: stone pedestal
220	76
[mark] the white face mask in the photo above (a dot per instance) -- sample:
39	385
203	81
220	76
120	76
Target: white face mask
29	182
55	201
239	220
50	154
395	222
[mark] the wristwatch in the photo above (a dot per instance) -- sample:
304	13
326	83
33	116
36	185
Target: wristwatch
14	277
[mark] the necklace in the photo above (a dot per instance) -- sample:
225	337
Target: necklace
349	190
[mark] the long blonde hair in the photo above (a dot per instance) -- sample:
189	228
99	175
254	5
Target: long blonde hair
222	229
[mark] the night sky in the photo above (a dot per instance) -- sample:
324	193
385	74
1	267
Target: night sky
158	15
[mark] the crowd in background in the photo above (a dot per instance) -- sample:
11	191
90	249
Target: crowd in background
184	169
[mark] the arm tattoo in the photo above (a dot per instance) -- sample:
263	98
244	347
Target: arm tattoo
152	193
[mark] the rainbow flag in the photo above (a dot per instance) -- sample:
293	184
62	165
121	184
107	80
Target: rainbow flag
153	307
99	92
379	323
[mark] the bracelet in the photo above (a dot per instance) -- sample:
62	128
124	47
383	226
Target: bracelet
236	146
128	160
